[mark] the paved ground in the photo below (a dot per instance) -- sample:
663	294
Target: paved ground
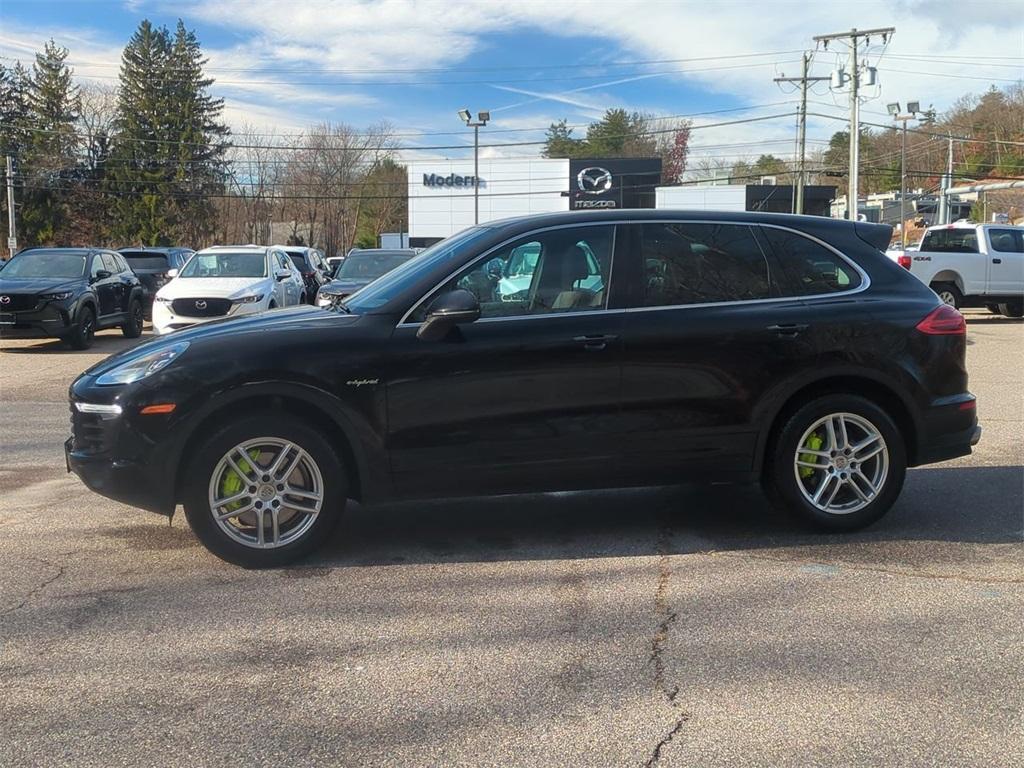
665	626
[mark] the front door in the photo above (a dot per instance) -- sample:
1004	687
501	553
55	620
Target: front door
527	397
106	288
1006	261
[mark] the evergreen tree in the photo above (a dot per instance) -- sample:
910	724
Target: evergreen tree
201	140
48	148
559	142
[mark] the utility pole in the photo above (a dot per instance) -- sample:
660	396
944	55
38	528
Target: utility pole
12	234
853	36
947	181
803	80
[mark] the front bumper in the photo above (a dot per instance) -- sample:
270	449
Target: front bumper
125	481
51	320
166	321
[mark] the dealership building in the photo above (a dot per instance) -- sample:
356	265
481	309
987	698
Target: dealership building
441	192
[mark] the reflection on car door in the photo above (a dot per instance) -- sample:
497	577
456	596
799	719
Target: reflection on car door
697	350
1006	261
527	394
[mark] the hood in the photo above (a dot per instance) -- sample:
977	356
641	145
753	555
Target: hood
346	284
23	285
300	319
214	287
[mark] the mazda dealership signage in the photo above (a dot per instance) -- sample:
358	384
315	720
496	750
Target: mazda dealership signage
625	182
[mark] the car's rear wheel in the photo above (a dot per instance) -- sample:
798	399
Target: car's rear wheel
838	462
264	491
949	294
82	333
132	327
1012	309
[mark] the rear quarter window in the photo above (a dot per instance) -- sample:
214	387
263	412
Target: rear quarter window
809	268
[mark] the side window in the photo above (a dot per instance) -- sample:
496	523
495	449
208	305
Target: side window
1006	240
808	267
701	263
561	270
97	265
122	265
110	263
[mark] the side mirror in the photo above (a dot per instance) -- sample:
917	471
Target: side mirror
448	310
172	273
282	275
102	274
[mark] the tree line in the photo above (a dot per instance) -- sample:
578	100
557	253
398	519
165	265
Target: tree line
151	161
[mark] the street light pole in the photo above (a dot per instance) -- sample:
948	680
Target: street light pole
482	119
913	107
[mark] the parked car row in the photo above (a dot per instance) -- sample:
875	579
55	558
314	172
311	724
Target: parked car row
70	293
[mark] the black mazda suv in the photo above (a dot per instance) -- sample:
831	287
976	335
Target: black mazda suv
69	294
626	348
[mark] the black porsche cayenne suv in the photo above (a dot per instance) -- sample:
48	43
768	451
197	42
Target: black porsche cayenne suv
625	348
69	294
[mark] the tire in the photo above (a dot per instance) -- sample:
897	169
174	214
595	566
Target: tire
208	477
85	329
949	294
794	485
132	327
993	308
1012	309
302	299
271	306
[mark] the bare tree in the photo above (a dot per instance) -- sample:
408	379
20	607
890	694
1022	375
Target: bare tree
254	179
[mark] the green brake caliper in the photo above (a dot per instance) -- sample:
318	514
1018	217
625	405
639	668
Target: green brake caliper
813	443
233	483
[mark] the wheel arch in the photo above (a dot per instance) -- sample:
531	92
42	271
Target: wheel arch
882	393
314	411
948	276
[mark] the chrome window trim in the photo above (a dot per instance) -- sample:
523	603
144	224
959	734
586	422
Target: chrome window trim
502	244
865	278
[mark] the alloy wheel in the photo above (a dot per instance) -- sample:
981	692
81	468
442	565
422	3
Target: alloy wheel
948	297
841	463
266	493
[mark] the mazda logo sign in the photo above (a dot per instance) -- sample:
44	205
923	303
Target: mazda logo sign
5	299
200	304
594	181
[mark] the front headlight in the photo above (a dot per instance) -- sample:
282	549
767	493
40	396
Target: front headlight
142	366
60	296
251	299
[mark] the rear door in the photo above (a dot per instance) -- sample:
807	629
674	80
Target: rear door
525	398
1006	261
701	344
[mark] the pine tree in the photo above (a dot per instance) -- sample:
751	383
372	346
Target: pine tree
200	165
139	156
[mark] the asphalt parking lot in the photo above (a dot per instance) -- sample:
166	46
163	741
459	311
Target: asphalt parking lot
669	626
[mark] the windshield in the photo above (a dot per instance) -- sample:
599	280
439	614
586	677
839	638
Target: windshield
46	264
226	264
380	292
370	265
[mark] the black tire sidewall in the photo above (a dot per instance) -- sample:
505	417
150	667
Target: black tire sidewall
132	329
784	449
958	298
79	339
1012	309
197	479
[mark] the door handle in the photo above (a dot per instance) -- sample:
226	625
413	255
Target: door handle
787	329
596	342
997	261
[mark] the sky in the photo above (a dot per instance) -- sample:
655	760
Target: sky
282	66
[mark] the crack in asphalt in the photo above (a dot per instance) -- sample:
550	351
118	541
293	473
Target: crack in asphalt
38	588
667	618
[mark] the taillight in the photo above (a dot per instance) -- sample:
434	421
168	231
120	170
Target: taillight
943	321
903	260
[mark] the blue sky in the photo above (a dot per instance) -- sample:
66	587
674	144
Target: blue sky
282	66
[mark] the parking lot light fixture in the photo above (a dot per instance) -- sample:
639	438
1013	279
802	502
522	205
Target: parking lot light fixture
482	118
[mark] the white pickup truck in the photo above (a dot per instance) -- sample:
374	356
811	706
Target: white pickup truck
971	265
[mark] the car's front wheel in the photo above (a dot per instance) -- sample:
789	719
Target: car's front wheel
84	330
838	462
1012	309
264	491
132	327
